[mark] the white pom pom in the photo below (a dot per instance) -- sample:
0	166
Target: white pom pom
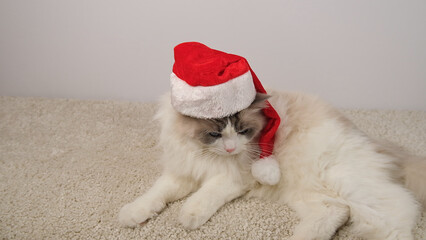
266	171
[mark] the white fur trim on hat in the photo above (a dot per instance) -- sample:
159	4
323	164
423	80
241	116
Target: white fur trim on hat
266	171
213	101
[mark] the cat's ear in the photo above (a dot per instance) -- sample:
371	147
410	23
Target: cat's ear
259	101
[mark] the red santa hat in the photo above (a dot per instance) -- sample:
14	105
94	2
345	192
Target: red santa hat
208	83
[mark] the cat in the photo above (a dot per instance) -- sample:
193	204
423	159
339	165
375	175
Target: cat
331	171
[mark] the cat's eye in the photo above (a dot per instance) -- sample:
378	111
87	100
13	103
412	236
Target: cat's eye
215	134
244	132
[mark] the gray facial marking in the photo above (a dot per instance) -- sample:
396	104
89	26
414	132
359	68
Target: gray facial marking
213	128
210	129
248	123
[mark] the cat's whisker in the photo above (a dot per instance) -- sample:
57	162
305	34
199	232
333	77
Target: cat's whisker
260	144
203	154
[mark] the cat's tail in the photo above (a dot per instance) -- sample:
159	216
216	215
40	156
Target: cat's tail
415	176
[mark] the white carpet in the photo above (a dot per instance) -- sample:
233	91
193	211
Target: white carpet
67	167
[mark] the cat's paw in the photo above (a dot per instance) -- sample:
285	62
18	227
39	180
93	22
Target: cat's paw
133	215
193	218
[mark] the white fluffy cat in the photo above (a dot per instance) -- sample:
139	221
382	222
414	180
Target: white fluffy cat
331	171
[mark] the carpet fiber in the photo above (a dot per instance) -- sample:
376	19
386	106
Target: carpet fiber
67	167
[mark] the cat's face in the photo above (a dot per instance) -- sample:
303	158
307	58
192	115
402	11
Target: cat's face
232	135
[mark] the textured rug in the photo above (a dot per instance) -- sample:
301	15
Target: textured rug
67	167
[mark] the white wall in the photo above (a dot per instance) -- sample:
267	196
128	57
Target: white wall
354	53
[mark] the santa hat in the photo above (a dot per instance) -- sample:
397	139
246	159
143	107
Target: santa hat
208	83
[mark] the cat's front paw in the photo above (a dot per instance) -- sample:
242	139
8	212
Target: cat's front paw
193	218
133	215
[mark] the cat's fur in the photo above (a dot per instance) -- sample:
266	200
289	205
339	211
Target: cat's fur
331	171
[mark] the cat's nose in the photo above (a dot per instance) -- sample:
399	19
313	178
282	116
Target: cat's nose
230	149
